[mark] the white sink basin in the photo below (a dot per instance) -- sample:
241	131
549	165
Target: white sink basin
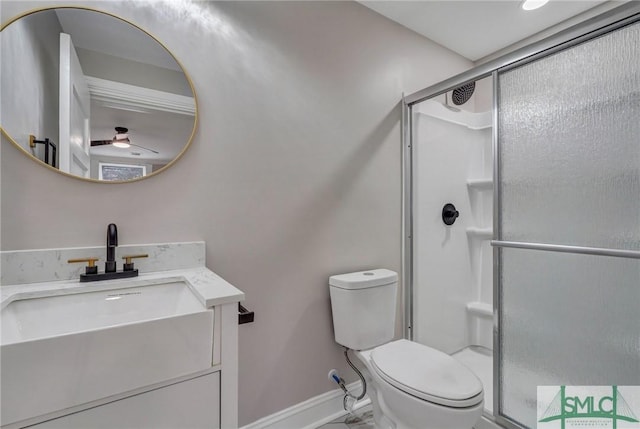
50	316
62	351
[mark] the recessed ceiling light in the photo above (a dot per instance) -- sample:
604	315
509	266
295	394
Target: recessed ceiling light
533	4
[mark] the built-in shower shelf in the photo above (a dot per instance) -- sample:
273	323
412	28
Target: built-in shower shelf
480	183
482	233
480	308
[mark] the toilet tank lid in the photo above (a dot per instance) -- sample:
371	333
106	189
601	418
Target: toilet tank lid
364	279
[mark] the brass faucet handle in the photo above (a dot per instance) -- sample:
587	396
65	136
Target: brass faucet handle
128	258
91	262
128	265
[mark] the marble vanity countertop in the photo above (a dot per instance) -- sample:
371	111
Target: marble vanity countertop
207	286
41	265
28	274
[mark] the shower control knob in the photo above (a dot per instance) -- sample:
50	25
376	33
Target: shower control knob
449	214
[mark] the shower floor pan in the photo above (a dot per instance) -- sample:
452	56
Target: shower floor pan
480	361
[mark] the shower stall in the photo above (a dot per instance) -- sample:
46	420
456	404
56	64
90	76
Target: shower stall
521	231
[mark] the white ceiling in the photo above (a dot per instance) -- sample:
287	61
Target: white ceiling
163	132
105	34
478	28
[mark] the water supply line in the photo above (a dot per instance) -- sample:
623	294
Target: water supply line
353	367
349	400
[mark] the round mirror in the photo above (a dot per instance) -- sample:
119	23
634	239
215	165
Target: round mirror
93	96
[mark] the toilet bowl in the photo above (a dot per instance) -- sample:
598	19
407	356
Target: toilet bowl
415	386
411	386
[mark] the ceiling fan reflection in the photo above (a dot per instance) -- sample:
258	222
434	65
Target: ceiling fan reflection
120	140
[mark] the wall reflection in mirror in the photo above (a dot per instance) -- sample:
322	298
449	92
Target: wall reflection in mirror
110	102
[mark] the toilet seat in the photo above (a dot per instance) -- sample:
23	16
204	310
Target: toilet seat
427	374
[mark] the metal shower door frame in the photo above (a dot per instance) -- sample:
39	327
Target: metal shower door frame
619	17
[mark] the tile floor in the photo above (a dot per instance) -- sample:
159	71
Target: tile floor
363	419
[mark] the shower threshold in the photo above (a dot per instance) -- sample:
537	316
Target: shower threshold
480	360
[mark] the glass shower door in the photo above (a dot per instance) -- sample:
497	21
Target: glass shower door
568	230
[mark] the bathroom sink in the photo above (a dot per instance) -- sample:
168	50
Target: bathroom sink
50	316
94	344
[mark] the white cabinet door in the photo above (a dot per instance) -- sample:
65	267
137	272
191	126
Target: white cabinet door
74	112
191	404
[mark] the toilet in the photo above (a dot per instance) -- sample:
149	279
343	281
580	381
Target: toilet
411	386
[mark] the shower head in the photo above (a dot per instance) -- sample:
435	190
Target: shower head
463	93
459	96
448	106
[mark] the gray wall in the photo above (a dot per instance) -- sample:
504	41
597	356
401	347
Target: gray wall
30	54
294	173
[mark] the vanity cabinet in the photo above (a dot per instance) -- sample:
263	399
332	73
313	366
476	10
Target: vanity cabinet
189	404
156	351
203	397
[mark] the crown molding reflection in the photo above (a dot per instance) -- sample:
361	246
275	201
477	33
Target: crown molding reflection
123	96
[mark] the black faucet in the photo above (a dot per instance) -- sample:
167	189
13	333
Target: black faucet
91	272
112	243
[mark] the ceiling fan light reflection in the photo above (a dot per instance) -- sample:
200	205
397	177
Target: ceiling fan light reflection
121	140
533	4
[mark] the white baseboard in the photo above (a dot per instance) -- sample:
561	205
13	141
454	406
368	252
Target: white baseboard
324	408
311	413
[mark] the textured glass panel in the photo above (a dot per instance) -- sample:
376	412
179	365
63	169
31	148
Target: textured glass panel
565	319
569	130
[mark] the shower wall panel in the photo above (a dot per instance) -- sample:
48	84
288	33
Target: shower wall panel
449	264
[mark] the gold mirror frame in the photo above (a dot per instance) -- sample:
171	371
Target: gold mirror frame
5	134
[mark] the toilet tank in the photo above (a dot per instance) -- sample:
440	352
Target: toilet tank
364	307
